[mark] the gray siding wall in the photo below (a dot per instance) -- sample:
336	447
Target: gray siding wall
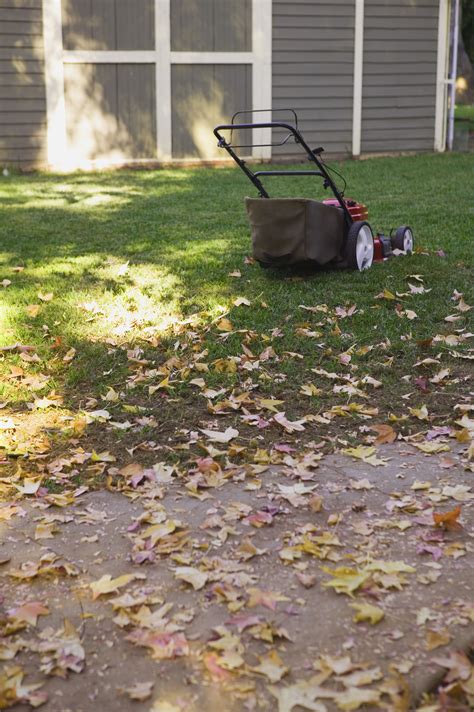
22	89
399	80
313	60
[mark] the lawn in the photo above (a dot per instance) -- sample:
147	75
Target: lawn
131	293
465	111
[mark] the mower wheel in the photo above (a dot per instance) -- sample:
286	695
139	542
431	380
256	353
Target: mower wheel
403	239
359	252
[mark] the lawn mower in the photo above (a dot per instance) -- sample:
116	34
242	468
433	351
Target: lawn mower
288	231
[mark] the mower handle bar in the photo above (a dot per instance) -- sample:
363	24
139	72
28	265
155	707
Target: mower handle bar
254	177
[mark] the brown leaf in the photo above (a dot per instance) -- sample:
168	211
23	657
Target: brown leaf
386	434
448	520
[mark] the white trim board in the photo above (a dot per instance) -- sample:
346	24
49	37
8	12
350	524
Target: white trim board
54	81
262	70
358	77
163	79
441	75
212	57
109	57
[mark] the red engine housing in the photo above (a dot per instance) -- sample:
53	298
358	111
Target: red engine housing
357	210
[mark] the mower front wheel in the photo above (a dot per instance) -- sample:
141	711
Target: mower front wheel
403	239
359	251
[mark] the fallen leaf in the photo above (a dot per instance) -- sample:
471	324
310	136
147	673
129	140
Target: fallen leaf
447	520
106	584
191	575
29	613
271	666
366	612
139	691
221	437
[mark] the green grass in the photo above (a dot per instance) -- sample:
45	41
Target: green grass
129	255
465	111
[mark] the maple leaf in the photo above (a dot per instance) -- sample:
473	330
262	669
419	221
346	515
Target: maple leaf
353	698
221	437
29	612
271	666
45	297
163	646
191	575
310	389
346	580
458	665
224	325
302	693
386	294
269	599
420	413
386	434
366	454
106	584
241	301
367	612
140	691
448	520
289	426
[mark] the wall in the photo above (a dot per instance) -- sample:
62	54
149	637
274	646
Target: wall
22	91
399	76
313	59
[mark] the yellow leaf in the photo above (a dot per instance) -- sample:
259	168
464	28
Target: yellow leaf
45	297
366	454
420	413
346	580
270	404
354	697
310	389
431	447
224	325
45	530
272	666
191	575
33	309
367	612
106	584
386	294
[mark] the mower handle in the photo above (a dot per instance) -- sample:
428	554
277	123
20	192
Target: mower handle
254	177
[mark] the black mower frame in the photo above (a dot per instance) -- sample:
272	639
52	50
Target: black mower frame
293	132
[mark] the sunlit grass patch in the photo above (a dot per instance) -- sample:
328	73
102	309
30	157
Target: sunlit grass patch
103	262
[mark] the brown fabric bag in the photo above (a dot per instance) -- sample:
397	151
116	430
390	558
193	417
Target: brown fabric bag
286	231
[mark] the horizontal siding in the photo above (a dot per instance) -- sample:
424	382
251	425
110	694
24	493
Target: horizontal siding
399	75
313	58
22	89
21	4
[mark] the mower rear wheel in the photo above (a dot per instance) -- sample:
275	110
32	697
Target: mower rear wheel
359	246
403	239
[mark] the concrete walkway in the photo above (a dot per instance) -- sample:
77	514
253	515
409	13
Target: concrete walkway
261	631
